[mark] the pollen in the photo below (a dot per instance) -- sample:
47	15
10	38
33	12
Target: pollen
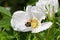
34	23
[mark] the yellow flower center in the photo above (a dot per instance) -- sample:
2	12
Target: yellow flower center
34	23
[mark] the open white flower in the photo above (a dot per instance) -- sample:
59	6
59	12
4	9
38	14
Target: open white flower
48	5
29	20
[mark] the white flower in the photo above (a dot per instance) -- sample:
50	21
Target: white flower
29	20
48	5
19	19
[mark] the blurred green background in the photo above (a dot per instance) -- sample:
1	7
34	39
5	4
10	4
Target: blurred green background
6	31
17	4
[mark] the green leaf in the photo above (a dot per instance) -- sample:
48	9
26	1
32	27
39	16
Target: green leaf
3	36
58	13
5	22
35	38
5	11
6	36
28	37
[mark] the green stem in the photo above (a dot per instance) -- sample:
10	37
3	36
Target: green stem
16	36
53	20
29	36
36	37
3	30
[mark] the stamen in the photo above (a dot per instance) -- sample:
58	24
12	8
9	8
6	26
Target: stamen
34	23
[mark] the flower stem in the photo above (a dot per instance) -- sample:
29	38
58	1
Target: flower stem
3	30
53	20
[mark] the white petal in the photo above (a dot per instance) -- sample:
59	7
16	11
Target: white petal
42	27
27	29
28	8
38	13
45	26
18	20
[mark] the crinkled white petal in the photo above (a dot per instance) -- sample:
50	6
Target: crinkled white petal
18	20
44	3
38	13
42	27
55	4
